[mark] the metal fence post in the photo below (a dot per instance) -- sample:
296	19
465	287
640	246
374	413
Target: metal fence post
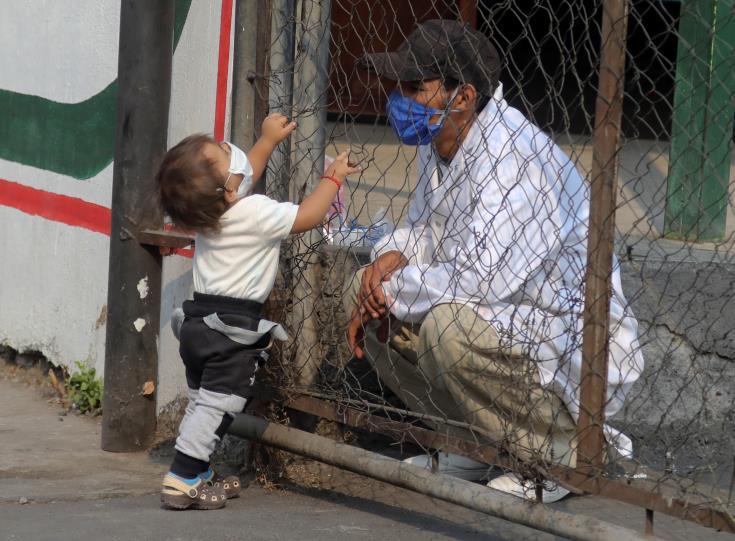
250	68
608	112
280	91
310	96
134	288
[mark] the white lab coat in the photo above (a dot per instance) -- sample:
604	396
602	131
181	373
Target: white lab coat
505	229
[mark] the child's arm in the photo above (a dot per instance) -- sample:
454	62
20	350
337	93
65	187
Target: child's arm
275	128
314	207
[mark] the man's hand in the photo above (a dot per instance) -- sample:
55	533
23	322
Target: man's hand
356	332
370	299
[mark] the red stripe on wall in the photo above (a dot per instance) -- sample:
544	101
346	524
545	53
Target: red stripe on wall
58	208
61	208
185	252
223	66
79	213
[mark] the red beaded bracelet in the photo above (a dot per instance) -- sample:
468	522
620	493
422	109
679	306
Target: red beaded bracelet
333	179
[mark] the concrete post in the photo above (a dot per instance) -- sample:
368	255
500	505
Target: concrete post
134	290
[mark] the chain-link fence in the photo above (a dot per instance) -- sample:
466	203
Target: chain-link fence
481	351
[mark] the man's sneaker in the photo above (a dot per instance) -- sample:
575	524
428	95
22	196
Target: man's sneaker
510	483
454	465
176	493
230	484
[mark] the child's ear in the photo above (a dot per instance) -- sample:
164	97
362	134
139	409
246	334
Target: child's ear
230	196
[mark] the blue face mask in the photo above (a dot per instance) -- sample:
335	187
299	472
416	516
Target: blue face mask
410	119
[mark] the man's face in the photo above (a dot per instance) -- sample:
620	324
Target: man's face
430	93
433	94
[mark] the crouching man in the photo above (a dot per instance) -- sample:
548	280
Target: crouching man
472	311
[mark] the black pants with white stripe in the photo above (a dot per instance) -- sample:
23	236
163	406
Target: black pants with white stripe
220	373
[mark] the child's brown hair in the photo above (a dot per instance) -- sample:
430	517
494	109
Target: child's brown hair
190	189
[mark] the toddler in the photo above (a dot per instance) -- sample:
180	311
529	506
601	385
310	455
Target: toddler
205	186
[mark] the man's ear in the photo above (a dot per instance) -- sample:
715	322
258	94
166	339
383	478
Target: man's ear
466	98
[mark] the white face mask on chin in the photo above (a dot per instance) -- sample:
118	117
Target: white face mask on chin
240	165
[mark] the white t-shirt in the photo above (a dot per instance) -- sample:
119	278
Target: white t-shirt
242	259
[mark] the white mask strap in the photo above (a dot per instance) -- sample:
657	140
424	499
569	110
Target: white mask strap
224	186
447	109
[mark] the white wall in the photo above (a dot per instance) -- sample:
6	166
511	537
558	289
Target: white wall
53	276
53	288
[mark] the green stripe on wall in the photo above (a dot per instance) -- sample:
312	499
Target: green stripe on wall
74	139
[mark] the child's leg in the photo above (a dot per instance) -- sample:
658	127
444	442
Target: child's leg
226	385
185	486
193	395
231	483
189	466
222	372
206	425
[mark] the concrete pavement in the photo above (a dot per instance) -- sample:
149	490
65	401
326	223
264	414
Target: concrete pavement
50	457
258	515
55	484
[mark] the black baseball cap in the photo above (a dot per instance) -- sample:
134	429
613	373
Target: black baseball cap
440	49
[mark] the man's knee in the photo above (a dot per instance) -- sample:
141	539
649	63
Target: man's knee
450	332
442	343
438	324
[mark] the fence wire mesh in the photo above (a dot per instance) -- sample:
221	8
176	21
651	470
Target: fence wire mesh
484	340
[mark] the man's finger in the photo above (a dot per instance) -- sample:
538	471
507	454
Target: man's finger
365	286
372	306
355	335
376	300
383	332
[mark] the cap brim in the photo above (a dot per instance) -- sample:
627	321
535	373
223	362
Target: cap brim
396	66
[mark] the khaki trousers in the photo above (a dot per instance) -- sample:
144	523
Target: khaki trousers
453	366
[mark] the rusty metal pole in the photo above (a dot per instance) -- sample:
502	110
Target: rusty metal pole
608	113
423	481
468	12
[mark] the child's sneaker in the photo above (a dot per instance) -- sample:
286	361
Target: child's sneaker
179	494
230	484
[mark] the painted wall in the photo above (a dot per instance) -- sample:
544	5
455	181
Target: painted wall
58	92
